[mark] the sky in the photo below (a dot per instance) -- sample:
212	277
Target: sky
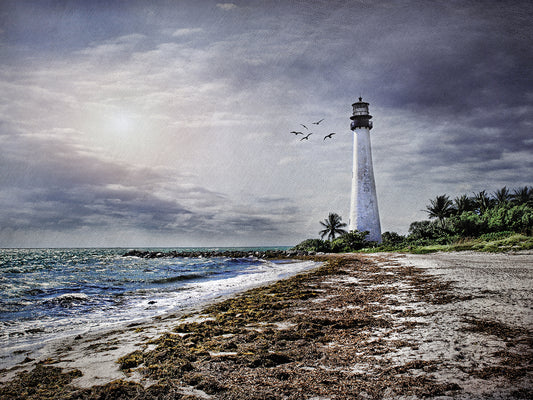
167	123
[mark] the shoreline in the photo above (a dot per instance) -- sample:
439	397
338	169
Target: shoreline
25	340
25	356
359	326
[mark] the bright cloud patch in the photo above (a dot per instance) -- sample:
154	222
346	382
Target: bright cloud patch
226	6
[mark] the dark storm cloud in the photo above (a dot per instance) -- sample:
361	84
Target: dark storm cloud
463	67
465	74
63	189
51	159
251	222
58	26
53	184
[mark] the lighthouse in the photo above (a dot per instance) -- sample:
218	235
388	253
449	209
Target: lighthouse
364	215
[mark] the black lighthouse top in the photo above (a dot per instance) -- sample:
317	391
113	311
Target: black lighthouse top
361	117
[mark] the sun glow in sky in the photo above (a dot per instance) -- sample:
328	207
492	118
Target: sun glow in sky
168	123
121	124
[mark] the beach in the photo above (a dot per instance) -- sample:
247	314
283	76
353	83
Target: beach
51	294
444	325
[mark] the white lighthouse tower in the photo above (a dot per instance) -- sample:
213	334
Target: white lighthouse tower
364	215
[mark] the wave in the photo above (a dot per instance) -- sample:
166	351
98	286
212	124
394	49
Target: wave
69	299
244	260
33	292
180	278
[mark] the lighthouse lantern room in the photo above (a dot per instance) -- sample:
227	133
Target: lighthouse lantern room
361	118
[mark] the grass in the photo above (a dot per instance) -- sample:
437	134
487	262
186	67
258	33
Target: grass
500	242
514	242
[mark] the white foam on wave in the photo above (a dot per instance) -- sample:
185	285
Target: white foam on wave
197	293
259	275
67	298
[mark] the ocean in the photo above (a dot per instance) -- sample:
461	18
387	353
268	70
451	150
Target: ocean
46	294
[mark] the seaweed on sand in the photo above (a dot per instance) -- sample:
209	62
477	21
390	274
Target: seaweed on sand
516	360
495	328
43	382
241	346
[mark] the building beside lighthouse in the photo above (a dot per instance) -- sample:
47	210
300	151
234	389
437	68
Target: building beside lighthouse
364	214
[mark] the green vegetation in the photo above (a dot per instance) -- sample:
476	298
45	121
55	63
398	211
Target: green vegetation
348	242
502	221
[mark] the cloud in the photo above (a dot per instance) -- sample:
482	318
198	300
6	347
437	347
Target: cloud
55	185
58	186
226	6
186	32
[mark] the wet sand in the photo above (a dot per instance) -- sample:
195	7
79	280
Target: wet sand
445	325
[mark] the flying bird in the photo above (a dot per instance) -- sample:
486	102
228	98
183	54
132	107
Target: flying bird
318	122
297	132
329	136
306	137
305	126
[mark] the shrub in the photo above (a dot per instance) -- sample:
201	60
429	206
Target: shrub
392	239
428	230
518	218
351	241
317	245
467	224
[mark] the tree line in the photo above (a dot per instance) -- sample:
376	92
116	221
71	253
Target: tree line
481	215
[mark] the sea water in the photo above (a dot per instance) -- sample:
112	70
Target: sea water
47	294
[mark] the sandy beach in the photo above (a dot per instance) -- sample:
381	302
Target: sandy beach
444	325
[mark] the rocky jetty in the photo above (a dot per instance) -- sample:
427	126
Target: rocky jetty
265	254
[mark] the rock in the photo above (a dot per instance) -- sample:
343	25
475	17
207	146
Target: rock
268	254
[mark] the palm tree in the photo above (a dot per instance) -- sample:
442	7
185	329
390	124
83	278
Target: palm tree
522	196
441	208
483	201
333	226
462	204
502	196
